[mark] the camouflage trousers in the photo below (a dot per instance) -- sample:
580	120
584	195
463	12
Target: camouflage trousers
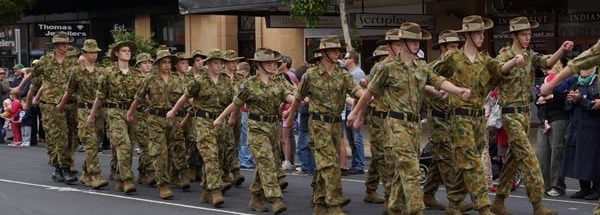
278	148
228	151
378	169
441	169
401	151
120	134
324	142
89	139
468	137
520	156
60	150
261	139
208	139
142	137
597	209
72	136
165	147
194	159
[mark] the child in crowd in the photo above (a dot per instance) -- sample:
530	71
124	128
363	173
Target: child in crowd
26	122
15	108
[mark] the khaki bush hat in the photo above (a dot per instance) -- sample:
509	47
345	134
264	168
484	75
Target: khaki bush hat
390	36
90	45
162	47
231	55
197	53
379	51
521	23
265	55
329	42
160	54
412	31
215	54
61	37
118	46
72	51
475	23
34	62
183	55
447	36
141	57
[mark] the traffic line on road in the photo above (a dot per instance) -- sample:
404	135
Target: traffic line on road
68	189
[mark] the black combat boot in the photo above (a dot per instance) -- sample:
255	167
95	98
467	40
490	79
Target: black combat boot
58	175
69	177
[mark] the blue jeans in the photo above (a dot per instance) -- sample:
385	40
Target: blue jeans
244	156
357	145
307	162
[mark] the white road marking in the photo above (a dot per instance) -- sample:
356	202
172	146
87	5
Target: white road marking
67	189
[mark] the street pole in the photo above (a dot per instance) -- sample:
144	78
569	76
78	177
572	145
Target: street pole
18	44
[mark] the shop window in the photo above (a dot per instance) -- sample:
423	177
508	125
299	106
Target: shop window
169	30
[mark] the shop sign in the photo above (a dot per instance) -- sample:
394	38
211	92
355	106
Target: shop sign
74	30
545	30
386	20
284	21
7	39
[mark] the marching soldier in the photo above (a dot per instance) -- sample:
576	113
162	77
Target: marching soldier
194	159
53	73
146	172
475	70
402	81
212	91
262	96
230	162
83	83
116	90
442	167
514	92
327	85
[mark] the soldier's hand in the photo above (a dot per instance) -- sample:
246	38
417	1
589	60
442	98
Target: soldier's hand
363	83
350	119
130	118
91	119
170	115
218	122
16	90
443	94
519	60
567	46
60	107
358	122
464	94
35	100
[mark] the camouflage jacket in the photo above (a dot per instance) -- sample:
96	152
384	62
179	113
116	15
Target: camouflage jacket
53	76
209	96
155	92
380	103
261	98
118	88
404	84
477	76
434	102
514	89
587	59
327	93
83	84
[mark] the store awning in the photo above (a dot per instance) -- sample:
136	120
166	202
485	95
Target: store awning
211	6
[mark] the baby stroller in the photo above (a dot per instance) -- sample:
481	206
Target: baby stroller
496	161
425	160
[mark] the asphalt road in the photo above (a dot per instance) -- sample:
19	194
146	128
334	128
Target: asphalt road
26	188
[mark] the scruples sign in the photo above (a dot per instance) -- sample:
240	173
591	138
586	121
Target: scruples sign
74	30
386	20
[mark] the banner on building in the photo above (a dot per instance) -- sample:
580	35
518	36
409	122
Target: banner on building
391	20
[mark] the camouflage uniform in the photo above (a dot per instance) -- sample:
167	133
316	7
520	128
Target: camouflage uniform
262	101
378	168
164	135
117	90
442	165
514	92
210	99
145	163
467	119
83	84
54	77
177	144
327	94
280	79
402	85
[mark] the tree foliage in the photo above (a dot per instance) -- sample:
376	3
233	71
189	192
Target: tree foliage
11	11
307	10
